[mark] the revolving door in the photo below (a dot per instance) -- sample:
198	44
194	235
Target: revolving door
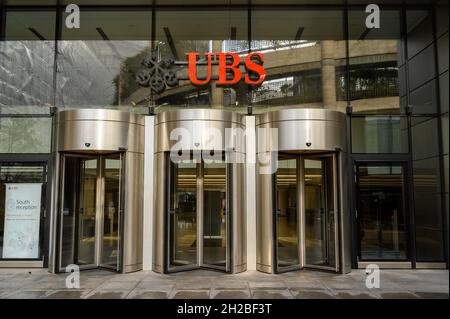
302	214
199	219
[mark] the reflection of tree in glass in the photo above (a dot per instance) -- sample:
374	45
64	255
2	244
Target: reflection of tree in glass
125	81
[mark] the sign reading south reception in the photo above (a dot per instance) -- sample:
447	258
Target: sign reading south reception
22	220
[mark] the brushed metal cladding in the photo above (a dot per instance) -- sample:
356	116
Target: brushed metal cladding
299	131
134	208
100	131
303	130
159	233
345	214
300	114
100	114
264	221
104	131
239	220
199	114
202	129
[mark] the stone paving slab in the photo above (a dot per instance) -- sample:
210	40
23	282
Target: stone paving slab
231	294
147	294
304	284
26	294
189	294
107	294
272	294
299	293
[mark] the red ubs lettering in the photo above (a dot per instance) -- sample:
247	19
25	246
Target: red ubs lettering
229	65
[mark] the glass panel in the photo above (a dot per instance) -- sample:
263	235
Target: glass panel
25	135
428	211
25	234
379	134
70	193
87	212
424	137
331	219
27	63
320	223
206	30
110	240
419	27
287	214
98	62
381	212
302	50
374	57
30	2
214	213
183	219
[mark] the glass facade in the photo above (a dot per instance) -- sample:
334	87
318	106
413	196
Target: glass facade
375	56
320	58
392	82
96	63
381	207
301	54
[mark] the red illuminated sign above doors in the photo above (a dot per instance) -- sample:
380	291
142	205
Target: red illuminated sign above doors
158	74
229	64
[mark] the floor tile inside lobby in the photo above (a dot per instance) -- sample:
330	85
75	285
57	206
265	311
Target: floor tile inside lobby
306	284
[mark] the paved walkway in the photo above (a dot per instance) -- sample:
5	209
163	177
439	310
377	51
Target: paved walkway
209	284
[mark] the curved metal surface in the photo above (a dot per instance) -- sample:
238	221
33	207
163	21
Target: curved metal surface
300	114
264	222
302	130
196	124
199	129
325	130
90	130
100	115
239	220
106	131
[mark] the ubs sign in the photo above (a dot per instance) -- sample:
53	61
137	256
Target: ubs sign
158	74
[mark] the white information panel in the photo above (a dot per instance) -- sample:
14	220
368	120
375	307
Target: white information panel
22	220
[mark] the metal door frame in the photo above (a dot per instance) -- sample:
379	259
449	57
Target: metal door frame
120	216
406	204
336	210
300	240
228	211
169	244
99	214
199	217
300	161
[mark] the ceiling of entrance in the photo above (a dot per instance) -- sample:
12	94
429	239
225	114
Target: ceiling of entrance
205	2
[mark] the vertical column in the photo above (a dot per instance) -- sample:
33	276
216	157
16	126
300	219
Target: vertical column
54	182
250	147
328	74
148	191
